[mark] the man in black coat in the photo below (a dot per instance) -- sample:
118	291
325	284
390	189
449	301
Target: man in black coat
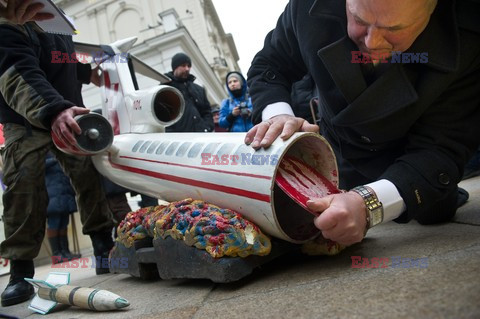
198	111
398	85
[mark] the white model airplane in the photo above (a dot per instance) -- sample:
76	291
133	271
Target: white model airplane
215	167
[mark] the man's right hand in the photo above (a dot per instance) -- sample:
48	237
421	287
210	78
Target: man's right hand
265	133
22	11
342	217
65	126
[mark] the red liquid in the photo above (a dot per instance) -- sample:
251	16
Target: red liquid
302	182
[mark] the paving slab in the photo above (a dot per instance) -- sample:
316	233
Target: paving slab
300	286
470	212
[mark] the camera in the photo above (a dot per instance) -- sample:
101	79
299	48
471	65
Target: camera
244	111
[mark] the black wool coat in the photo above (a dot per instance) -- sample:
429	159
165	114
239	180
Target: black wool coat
416	125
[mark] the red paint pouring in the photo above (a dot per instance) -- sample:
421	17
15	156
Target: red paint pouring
302	182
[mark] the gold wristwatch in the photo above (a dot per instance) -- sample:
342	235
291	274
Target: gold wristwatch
374	206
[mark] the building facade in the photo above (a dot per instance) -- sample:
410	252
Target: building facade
163	28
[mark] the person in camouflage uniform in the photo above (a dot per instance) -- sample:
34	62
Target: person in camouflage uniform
37	97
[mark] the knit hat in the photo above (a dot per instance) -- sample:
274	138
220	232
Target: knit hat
179	59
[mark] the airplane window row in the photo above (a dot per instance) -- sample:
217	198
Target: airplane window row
179	149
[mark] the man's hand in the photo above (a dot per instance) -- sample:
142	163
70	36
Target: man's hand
22	11
342	217
265	133
65	126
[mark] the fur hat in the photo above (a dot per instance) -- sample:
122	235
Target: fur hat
179	59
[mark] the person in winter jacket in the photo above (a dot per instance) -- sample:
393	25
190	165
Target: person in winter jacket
236	110
38	97
61	203
197	116
402	128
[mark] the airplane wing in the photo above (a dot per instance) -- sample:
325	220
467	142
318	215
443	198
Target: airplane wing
93	52
148	71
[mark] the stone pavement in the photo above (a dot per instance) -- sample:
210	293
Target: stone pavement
445	284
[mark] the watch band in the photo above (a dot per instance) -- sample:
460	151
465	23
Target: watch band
374	206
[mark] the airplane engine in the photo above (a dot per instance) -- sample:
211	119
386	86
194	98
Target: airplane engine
96	136
153	109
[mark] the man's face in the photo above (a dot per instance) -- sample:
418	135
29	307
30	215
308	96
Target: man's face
182	71
379	27
234	84
216	117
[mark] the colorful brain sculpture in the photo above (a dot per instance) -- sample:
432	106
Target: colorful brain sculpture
221	232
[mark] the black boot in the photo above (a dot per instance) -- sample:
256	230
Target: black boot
63	236
64	250
102	243
18	290
57	256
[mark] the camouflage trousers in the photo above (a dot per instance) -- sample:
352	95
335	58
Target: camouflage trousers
25	198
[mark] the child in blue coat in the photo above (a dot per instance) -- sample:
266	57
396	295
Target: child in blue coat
236	111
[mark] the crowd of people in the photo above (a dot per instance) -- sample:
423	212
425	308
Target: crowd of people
234	114
403	133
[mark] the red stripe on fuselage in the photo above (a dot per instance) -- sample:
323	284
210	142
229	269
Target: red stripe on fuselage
192	182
